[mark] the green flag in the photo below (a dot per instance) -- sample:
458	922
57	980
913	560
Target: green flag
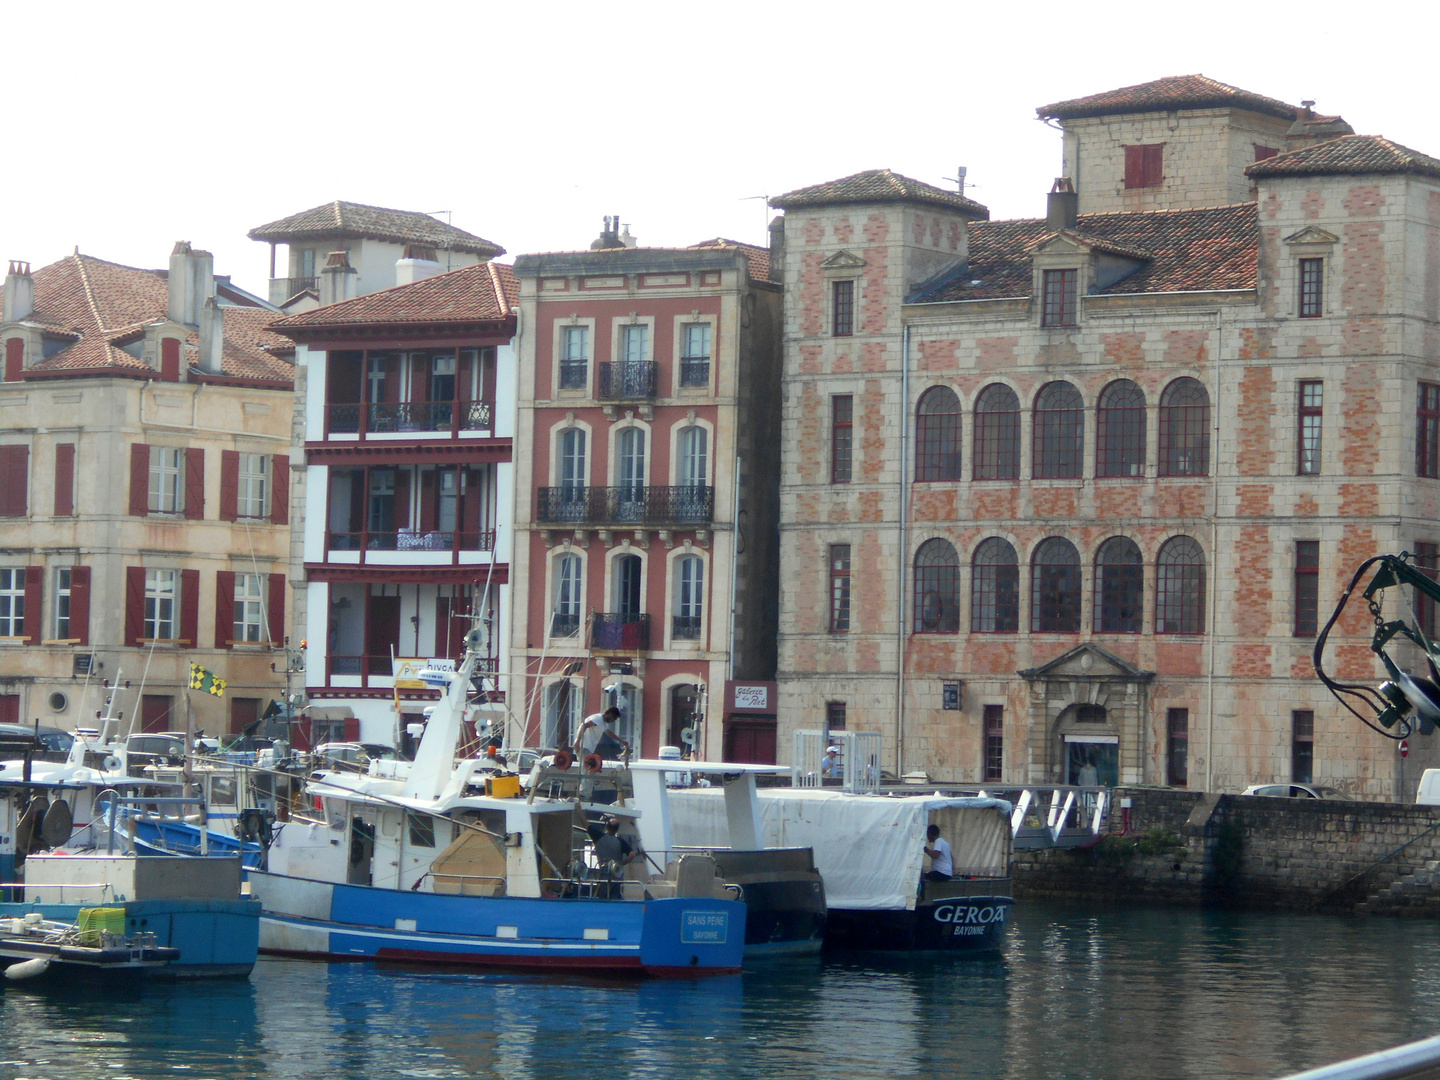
201	679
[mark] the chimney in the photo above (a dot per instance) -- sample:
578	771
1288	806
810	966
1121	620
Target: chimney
416	266
626	240
609	235
19	292
337	279
211	320
1062	206
777	248
191	283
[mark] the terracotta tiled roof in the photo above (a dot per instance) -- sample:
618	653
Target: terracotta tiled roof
1095	243
1212	248
336	220
758	257
877	186
1350	154
104	305
1162	95
485	292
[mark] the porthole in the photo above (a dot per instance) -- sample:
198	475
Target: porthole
58	701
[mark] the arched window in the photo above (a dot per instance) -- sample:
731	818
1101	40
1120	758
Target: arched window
997	433
1059	432
1185	429
571	499
630	474
561	713
629	584
689	598
565	620
994	588
1120	430
694	465
1180	587
1119	587
937	588
937	435
1055	587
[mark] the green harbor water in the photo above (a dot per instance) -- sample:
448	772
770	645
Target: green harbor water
1103	993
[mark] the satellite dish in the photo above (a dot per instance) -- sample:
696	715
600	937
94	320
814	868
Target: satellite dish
58	825
687	735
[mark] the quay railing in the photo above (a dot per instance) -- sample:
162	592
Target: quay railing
1056	815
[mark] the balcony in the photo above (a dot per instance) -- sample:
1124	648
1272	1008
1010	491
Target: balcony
657	507
412	540
613	631
283	288
366	668
626	380
563	624
685	627
695	371
386	418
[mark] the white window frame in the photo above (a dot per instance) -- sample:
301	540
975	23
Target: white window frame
568	592
252	486
249	626
63	586
685	473
688	595
631	335
581	475
629	695
162	605
167	480
565	333
683	327
548	712
12	601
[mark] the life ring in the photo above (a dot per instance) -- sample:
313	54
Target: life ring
594	763
111	763
563	759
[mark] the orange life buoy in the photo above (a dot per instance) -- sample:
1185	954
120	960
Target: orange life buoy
594	763
563	759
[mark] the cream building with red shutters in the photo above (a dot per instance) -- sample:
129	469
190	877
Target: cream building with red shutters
144	475
1075	492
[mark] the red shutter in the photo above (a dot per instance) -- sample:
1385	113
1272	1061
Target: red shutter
80	603
280	489
170	359
224	608
195	483
14	480
352	729
134	604
139	481
276	605
442	626
229	485
357	501
190	607
34	575
1154	165
429	510
1134	166
64	479
14	358
419	381
402	498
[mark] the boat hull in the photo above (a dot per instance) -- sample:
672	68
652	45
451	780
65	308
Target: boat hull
326	921
784	899
961	924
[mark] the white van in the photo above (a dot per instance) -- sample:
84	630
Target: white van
1428	793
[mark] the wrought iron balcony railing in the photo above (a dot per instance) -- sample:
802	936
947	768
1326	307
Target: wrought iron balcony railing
685	627
412	540
563	624
694	371
626	380
615	631
652	506
387	417
573	374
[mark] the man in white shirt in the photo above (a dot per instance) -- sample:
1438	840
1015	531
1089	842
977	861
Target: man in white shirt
594	730
942	865
830	767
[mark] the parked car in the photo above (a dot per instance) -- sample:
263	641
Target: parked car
52	739
1296	791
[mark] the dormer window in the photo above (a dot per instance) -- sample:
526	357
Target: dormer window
1144	166
1061	297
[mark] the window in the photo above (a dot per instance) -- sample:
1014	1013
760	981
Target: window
937	435
937	588
1264	153
574	357
843	308
1090	714
1302	746
1119	586
382	501
626	698
1427	561
1185	429
1307	588
1177	748
167	464
635	343
565	620
1427	431
689	598
1120	430
1308	435
12	602
839	588
694	446
1055	587
630	473
629	587
249	609
1061	300
62	603
422	830
250	497
994	742
162	588
1312	288
995	588
572	460
1180	587
307	262
442	384
562	714
835	716
997	433
841	429
1144	166
1059	432
695	354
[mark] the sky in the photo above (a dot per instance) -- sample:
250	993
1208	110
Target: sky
138	124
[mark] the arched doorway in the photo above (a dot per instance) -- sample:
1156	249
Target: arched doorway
684	717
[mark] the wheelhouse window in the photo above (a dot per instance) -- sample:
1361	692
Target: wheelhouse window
1055	587
1427	431
937	435
162	596
1307	588
1312	288
574	357
1119	586
1312	402
167	470
253	486
1180	587
839	588
995	588
1061	301
842	300
937	588
842	429
695	355
997	433
1120	430
1185	429
249	608
12	602
1059	432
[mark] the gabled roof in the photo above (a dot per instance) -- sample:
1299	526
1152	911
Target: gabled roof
99	306
1094	243
877	186
486	292
1185	250
1163	95
758	257
338	220
1348	155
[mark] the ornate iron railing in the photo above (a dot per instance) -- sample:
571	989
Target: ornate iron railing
573	374
412	540
652	506
685	627
564	625
614	631
625	380
392	416
694	371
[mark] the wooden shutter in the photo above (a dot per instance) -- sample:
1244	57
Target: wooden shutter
170	359
357	501
14	480
1154	170
34	576
229	485
14	358
134	604
442	626
80	604
402	498
429	493
280	489
139	480
1134	166
224	608
64	479
276	608
195	483
190	607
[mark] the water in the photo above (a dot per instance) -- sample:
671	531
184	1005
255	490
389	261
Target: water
1079	993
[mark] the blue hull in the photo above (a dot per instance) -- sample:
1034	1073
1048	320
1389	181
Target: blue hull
181	838
320	920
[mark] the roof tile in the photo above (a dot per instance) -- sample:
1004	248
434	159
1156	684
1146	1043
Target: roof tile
1162	95
486	291
1347	155
338	219
877	186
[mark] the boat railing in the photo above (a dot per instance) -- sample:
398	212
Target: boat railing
14	892
1055	815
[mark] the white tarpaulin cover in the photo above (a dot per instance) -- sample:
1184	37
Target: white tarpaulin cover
869	849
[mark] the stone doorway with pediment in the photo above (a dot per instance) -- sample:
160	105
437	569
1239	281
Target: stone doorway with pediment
1087	718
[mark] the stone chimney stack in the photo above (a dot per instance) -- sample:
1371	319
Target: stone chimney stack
19	292
191	281
1062	205
211	321
337	279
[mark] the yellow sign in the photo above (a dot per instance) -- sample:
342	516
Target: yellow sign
407	670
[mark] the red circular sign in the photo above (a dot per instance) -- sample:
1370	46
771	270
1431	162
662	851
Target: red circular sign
1404	747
